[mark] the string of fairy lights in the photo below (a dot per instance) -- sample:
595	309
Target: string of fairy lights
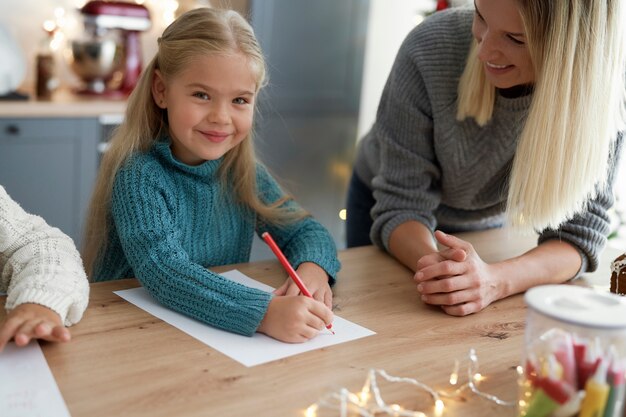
369	401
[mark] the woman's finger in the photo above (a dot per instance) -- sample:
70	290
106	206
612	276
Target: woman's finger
462	309
451	298
451	241
440	270
454	254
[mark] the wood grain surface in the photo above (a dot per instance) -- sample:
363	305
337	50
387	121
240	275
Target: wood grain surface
124	362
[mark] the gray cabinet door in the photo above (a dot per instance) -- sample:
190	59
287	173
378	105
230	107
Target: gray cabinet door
49	166
306	132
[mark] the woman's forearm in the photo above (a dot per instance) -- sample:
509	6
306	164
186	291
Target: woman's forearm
409	242
552	262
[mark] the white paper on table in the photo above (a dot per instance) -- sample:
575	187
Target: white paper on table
27	387
249	351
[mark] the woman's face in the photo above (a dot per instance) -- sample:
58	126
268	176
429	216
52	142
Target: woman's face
502	43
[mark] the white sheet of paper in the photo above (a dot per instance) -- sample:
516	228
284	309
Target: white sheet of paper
27	387
249	351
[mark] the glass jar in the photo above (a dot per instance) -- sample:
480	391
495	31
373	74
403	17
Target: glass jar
46	74
575	353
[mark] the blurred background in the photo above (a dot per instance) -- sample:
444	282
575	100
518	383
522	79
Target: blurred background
328	61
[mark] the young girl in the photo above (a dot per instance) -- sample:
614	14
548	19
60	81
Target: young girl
179	189
512	110
42	273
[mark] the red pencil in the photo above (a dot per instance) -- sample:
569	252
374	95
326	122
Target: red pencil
292	272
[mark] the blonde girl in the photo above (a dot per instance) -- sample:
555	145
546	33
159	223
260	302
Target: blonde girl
509	112
179	190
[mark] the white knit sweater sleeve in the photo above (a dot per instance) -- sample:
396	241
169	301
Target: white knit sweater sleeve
39	264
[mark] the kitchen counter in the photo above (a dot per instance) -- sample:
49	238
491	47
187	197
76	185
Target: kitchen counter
64	103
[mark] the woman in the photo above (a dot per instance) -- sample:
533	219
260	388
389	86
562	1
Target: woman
509	113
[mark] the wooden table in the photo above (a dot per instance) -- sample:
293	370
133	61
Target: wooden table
124	362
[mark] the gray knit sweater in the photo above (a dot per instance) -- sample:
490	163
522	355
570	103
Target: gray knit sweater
424	165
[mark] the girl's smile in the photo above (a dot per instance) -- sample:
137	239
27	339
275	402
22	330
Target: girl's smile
215	136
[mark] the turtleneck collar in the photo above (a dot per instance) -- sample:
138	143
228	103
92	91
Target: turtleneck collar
517	91
514	100
162	148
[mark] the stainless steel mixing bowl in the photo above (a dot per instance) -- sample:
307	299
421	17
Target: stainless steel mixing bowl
96	60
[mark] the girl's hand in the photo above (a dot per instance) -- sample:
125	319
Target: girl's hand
456	278
32	321
295	319
315	280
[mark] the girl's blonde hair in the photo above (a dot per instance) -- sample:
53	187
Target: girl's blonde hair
578	49
198	32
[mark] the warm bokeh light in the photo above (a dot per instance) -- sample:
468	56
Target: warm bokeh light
49	26
311	411
454	376
343	214
439	408
169	11
364	396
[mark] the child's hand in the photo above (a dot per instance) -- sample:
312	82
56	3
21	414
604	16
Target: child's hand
295	319
316	281
32	321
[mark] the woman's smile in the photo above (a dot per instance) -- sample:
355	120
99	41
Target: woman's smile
497	69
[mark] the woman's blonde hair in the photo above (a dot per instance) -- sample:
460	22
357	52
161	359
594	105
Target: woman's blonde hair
578	49
198	32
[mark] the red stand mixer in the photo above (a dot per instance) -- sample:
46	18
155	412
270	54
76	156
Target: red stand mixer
108	59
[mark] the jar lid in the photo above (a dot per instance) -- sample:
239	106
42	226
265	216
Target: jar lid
578	305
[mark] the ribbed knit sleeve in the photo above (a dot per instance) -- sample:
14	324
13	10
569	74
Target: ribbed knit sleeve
39	264
407	183
303	241
588	230
147	207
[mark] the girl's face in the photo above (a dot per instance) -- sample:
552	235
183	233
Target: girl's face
209	105
502	43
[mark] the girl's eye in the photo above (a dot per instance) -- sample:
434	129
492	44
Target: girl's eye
516	41
240	100
201	95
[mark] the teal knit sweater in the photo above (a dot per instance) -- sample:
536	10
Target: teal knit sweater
171	221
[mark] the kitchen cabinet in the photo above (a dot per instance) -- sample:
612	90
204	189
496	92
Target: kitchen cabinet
49	165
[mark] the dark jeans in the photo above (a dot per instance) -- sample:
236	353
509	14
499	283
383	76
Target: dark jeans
359	221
